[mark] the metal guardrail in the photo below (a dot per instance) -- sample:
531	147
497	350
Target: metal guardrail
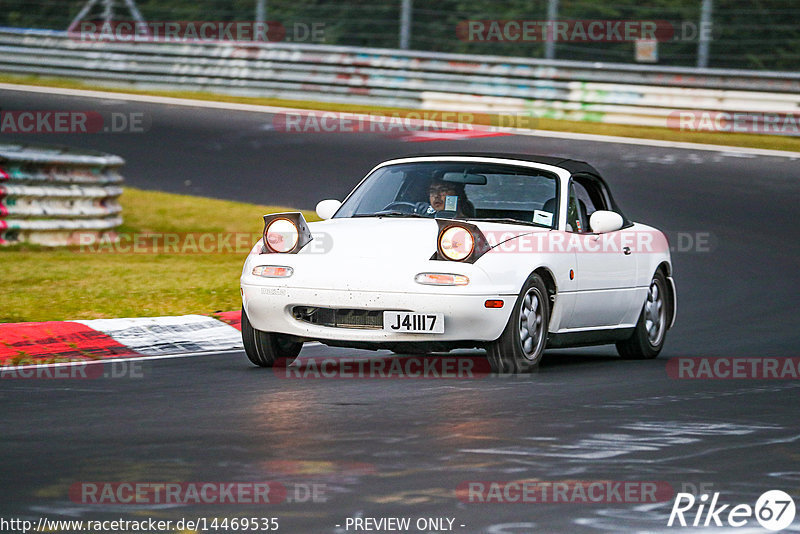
618	93
57	196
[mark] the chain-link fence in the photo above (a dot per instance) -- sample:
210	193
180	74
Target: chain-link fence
741	34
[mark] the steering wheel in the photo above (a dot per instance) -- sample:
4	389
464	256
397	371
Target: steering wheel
404	207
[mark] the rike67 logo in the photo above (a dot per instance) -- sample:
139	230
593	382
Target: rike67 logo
774	510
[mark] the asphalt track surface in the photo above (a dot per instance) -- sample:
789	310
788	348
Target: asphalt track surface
399	448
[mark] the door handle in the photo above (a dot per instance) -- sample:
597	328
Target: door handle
626	251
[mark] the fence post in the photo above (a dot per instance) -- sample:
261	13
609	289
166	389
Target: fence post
702	34
261	10
550	43
405	24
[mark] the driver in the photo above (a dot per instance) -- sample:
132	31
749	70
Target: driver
438	193
442	196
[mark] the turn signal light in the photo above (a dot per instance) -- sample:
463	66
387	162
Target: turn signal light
493	304
273	271
441	279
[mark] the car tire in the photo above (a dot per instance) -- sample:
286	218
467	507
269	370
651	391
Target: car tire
520	347
266	349
651	328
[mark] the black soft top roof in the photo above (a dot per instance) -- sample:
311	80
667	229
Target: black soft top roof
573	166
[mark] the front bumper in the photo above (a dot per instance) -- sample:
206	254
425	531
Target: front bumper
269	308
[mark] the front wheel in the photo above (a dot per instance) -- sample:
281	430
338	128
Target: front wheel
520	347
651	329
266	348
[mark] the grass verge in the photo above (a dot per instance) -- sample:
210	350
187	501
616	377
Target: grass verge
773	142
44	284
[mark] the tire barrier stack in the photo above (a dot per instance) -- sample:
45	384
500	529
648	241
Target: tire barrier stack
56	196
597	92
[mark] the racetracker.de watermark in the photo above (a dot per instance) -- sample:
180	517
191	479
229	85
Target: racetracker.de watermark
502	242
177	493
563	492
733	368
579	31
399	122
30	370
447	367
734	122
199	31
623	241
73	122
167	242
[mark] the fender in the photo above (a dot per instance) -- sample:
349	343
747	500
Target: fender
674	300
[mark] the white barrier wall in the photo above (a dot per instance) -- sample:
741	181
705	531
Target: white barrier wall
614	93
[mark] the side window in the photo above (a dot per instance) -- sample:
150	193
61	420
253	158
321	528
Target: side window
590	196
577	218
586	196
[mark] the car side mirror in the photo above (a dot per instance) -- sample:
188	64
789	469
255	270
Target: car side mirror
326	208
603	221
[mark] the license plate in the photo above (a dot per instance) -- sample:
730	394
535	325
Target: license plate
413	323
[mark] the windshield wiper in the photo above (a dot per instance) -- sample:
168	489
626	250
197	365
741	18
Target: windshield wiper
512	221
390	213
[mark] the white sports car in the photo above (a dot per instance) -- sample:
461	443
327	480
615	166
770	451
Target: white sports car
510	253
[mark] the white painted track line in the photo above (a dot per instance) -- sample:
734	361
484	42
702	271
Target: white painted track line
10	367
134	358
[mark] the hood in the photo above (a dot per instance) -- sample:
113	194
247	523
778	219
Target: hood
373	237
373	253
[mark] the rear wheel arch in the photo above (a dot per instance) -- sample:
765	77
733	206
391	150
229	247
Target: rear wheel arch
666	270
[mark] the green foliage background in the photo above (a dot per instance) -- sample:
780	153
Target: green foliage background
748	34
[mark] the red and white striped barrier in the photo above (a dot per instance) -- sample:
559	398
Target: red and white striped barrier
61	341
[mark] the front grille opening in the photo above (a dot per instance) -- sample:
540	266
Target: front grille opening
339	317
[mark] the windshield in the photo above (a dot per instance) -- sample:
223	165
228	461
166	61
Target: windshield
457	190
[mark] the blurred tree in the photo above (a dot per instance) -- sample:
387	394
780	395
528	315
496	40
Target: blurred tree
754	34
